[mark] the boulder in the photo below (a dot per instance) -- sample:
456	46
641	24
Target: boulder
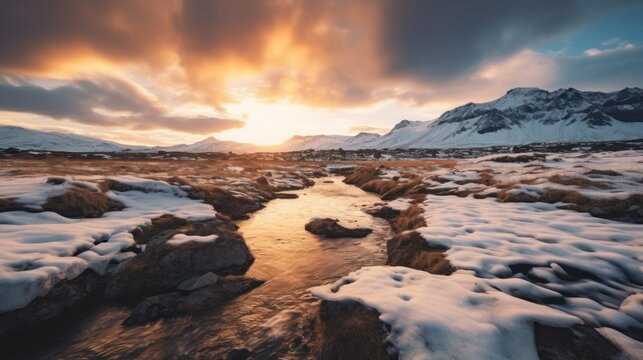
330	228
173	303
162	266
61	299
197	282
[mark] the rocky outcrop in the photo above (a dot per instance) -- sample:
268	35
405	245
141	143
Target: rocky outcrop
350	330
180	302
330	228
163	266
61	299
580	342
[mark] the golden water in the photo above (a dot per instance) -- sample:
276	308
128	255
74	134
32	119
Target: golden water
273	321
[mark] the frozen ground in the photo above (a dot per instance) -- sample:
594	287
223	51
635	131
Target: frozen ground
518	262
40	249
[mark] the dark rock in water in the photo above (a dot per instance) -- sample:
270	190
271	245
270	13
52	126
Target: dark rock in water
412	250
262	180
328	182
154	307
330	228
580	342
162	266
384	212
58	301
350	330
286	196
169	304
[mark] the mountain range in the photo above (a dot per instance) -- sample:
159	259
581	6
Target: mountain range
521	116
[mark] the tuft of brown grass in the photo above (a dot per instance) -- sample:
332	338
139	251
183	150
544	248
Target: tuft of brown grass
409	219
362	175
410	249
79	202
577	181
379	186
602	172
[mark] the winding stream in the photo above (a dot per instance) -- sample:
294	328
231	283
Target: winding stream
272	321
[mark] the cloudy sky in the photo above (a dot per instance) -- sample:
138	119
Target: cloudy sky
260	71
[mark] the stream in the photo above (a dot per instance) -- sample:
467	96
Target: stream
272	321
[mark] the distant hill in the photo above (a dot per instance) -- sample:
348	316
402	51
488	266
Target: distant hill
521	116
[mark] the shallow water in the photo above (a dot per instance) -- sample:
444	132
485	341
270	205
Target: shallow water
272	321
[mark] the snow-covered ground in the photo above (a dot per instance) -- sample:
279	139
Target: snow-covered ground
518	263
38	250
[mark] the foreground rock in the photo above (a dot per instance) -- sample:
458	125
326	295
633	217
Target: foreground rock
163	265
60	300
180	302
350	330
330	228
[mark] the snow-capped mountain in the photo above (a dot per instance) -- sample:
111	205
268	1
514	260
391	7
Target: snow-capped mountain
316	142
209	144
21	138
521	116
528	115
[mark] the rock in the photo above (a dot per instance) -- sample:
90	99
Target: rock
162	267
262	180
154	307
410	249
384	212
350	330
580	342
60	299
238	354
286	196
197	282
330	228
328	182
173	303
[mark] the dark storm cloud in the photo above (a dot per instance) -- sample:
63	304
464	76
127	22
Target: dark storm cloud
610	69
441	40
102	102
323	53
35	33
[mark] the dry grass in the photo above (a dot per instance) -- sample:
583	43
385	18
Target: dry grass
79	202
379	186
410	249
577	181
602	172
409	219
628	209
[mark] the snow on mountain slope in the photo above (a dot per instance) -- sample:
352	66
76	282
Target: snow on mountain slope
209	144
521	116
21	138
528	115
316	142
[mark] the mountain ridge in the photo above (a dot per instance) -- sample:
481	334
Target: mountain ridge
521	116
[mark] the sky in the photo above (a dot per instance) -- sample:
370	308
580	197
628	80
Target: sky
260	71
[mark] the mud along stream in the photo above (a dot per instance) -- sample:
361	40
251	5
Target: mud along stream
272	321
